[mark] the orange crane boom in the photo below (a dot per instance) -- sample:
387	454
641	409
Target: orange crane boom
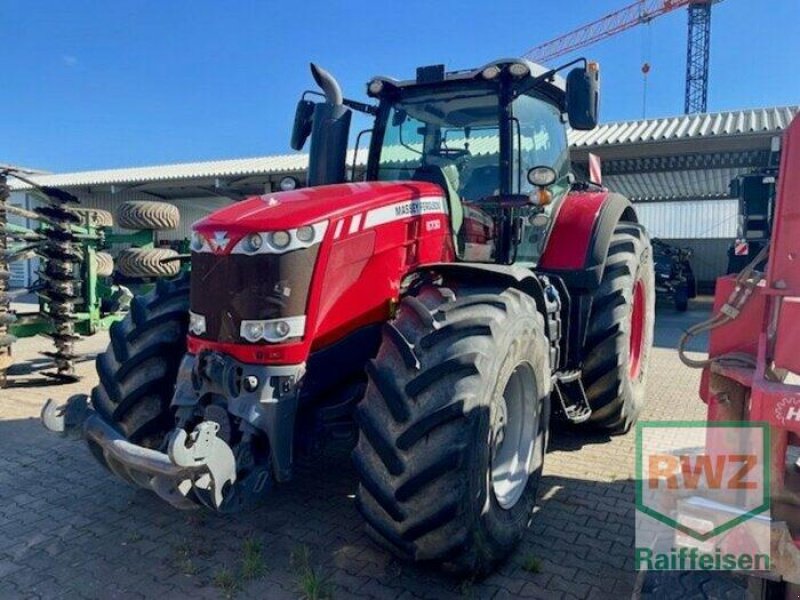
637	13
641	11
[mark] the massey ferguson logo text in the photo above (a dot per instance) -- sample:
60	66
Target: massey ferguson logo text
417	208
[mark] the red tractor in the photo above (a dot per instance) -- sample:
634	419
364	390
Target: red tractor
434	308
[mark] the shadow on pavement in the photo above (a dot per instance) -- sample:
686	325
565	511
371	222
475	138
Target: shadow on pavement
67	524
671	324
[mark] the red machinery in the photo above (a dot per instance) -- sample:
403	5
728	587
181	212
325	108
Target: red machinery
431	308
753	356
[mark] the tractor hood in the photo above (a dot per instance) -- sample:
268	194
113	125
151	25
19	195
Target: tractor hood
296	208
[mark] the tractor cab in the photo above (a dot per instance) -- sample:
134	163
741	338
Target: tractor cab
493	139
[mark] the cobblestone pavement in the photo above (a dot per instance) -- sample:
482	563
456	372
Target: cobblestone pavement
69	529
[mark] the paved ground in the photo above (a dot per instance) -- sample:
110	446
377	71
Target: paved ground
67	528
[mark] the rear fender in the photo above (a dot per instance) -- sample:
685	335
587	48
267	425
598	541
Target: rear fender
576	252
578	244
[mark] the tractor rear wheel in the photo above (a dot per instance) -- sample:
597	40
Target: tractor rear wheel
620	332
453	427
139	369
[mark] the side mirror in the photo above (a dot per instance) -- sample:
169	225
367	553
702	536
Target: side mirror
583	97
302	124
399	117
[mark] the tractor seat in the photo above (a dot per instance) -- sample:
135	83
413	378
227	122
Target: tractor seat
446	177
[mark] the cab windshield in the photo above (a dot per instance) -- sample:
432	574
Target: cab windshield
459	134
454	140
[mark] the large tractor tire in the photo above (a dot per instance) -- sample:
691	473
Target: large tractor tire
140	263
620	332
138	370
146	215
105	264
453	427
95	217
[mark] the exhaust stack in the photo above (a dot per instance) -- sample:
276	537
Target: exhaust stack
330	132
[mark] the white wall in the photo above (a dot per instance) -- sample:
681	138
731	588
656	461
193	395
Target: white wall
22	272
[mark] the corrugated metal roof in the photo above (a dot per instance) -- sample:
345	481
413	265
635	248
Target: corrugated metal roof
748	122
686	127
263	165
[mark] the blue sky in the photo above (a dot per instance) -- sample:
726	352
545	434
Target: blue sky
93	84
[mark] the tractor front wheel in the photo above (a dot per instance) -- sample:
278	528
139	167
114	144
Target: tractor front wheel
139	369
453	427
620	332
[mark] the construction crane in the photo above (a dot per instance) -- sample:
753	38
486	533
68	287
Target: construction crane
638	13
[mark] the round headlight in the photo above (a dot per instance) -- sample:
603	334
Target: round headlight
375	87
490	72
519	70
288	183
253	242
282	329
305	234
253	331
197	241
280	239
541	176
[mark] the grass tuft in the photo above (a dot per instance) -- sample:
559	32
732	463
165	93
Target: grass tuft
227	582
253	561
312	583
531	564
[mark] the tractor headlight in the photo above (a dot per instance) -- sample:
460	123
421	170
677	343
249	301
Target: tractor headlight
279	242
519	70
198	241
490	72
274	330
305	234
375	87
252	331
280	239
197	324
253	242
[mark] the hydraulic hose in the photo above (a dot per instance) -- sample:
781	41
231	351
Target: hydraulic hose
746	282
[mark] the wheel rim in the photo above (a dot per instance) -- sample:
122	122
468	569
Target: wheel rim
637	331
515	431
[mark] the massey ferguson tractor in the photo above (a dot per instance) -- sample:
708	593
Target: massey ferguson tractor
444	309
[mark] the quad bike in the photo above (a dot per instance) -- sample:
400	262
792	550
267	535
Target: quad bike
442	309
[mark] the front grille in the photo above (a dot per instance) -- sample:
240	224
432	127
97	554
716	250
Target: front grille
227	289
